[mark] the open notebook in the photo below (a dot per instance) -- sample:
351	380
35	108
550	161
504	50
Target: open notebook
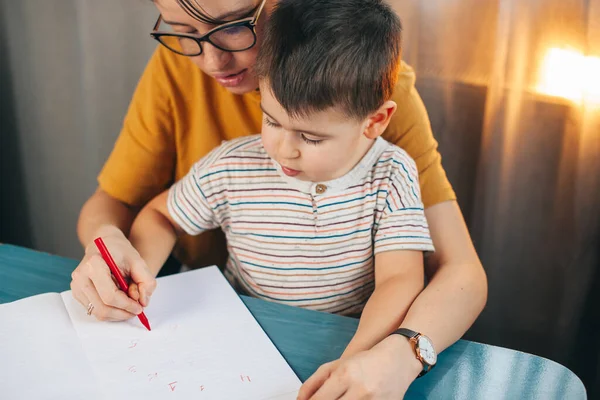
204	344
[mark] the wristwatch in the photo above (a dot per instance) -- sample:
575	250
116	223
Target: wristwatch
423	348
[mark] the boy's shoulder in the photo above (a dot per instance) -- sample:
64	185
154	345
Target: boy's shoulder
238	154
395	173
242	146
392	158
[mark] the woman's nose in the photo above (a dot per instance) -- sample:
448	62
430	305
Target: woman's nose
215	60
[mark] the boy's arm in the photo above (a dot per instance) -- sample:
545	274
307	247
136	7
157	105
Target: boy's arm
399	278
154	233
452	300
457	289
375	366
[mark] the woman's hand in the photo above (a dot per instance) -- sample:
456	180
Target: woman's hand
384	372
94	287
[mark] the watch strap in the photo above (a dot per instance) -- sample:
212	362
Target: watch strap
406	332
412	335
426	369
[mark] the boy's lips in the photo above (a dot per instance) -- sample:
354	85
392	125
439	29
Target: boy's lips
289	171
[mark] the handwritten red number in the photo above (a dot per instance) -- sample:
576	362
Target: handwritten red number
152	376
172	386
242	377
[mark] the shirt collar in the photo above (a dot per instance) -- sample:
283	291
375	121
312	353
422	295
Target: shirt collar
352	177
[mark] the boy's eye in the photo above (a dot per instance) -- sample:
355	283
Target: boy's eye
274	124
271	123
309	141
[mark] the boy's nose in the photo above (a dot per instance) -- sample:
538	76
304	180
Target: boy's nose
293	154
287	148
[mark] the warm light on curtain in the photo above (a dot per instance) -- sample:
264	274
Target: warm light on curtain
570	75
513	91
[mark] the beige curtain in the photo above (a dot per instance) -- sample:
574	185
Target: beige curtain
513	89
68	69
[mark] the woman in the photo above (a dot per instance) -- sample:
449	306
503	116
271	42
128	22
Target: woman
199	89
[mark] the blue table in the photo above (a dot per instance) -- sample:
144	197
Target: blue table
307	339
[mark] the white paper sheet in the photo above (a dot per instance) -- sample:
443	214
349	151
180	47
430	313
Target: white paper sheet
40	354
204	344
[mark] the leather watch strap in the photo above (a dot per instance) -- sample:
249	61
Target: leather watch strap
411	335
406	332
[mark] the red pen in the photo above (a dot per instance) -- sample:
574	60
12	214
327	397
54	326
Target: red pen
117	274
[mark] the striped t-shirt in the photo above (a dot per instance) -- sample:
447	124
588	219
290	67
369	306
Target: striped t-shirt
303	243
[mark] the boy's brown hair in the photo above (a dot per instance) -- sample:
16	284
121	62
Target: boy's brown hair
318	54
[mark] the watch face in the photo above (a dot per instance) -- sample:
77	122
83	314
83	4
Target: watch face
426	350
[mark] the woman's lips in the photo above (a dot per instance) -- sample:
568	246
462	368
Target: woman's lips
231	80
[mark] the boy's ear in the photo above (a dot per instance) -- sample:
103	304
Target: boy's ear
379	120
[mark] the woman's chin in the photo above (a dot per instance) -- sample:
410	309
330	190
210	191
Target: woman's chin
242	89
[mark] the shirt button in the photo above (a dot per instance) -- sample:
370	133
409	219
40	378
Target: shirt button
320	189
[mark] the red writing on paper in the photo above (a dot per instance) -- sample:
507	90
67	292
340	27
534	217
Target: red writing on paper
133	343
202	388
153	376
132	369
172	386
245	378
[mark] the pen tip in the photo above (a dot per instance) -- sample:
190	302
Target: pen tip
144	321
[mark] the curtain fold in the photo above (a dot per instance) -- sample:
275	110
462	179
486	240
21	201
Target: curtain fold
513	92
513	89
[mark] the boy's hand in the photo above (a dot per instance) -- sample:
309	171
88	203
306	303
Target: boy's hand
92	282
384	372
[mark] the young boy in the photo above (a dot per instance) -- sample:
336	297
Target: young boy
318	210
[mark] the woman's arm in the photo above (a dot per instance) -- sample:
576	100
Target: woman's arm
142	162
153	233
100	212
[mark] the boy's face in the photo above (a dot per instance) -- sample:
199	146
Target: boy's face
318	148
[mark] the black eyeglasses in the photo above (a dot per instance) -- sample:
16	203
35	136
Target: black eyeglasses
233	36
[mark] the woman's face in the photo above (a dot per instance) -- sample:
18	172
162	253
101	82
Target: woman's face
234	71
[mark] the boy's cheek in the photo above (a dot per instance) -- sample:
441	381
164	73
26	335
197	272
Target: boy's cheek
268	141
